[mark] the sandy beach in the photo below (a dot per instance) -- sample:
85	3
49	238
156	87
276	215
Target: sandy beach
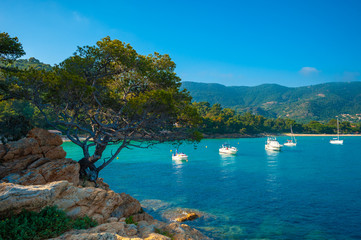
322	135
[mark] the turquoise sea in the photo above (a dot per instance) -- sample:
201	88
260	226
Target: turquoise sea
311	191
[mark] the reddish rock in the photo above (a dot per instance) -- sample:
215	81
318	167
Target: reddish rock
99	183
37	159
21	148
55	153
17	165
44	137
129	206
45	170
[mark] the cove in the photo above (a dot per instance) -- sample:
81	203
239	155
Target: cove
311	191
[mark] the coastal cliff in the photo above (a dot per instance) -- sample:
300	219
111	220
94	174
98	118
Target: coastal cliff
34	173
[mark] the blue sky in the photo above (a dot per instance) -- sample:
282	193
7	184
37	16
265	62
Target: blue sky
292	43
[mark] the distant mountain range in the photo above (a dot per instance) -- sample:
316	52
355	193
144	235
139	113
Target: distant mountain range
320	102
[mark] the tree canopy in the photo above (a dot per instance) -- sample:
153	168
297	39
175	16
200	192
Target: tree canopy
13	121
10	48
109	94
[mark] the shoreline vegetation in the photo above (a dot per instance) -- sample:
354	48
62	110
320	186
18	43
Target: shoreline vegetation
237	135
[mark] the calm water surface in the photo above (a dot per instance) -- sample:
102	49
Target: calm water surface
312	191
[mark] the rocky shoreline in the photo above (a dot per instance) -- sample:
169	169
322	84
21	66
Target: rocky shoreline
34	173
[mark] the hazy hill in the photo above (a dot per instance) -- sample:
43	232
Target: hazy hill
317	102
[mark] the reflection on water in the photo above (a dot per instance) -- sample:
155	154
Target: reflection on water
178	170
272	183
227	162
272	154
227	159
178	164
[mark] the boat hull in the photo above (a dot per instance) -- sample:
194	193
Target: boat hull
290	144
180	157
273	145
338	142
228	151
273	148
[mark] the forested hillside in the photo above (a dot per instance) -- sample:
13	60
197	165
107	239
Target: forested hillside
31	63
318	102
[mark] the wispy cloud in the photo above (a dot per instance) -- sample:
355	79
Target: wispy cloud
306	71
79	18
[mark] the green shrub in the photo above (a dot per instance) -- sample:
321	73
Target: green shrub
129	220
48	223
164	233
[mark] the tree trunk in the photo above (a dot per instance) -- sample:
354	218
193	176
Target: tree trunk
88	170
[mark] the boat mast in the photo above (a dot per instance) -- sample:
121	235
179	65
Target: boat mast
338	131
292	135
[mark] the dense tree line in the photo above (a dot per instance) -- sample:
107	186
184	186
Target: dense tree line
218	120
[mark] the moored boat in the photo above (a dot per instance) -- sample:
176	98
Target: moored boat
337	140
273	144
179	156
292	142
227	149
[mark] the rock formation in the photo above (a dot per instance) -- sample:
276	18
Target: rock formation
187	217
147	230
96	203
34	173
37	159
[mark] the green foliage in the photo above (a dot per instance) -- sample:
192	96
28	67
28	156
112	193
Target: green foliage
129	220
316	127
83	223
10	48
218	120
318	102
13	127
164	233
112	94
17	117
31	63
48	223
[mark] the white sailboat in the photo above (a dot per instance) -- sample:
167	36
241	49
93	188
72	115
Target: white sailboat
292	142
337	140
